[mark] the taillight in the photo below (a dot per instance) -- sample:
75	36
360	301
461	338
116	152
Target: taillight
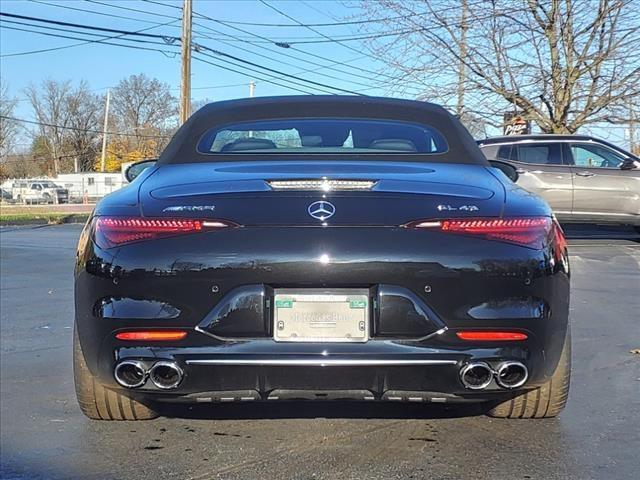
115	231
526	231
490	336
152	335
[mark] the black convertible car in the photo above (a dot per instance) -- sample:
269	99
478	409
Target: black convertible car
321	248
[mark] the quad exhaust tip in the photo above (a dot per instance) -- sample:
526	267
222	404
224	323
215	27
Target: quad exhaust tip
476	376
166	375
511	375
133	374
508	375
130	373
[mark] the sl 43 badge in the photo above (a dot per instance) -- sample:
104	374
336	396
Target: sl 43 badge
463	208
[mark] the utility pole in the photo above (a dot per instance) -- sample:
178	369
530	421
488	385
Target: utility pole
632	129
252	91
462	45
103	160
185	84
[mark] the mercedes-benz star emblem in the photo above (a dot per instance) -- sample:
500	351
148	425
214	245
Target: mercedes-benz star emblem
321	210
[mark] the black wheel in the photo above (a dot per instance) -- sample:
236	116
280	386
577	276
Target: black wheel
546	401
98	402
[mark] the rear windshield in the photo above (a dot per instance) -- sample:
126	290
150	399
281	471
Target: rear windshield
328	135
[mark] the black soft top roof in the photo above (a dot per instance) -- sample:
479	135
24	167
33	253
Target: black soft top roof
182	147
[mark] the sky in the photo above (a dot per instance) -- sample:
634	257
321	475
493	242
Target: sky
102	66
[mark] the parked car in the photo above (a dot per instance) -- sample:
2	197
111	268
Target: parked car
364	250
39	191
584	179
5	195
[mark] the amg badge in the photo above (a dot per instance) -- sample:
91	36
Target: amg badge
190	208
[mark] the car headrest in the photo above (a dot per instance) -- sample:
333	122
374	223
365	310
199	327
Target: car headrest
311	140
248	144
398	144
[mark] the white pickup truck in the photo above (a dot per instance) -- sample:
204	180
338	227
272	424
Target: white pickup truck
39	191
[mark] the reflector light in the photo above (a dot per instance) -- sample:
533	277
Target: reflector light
488	336
560	241
152	335
114	231
527	231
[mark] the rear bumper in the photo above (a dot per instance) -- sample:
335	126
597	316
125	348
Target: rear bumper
376	370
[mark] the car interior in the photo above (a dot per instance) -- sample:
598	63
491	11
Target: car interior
323	136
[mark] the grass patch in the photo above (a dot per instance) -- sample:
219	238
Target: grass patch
42	218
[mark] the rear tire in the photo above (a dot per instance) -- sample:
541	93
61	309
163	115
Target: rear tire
98	402
546	401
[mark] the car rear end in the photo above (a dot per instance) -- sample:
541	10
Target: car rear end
284	279
260	300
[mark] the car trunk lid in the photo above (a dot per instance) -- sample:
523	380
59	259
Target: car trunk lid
290	193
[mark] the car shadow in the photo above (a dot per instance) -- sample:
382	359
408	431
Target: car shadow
318	409
581	231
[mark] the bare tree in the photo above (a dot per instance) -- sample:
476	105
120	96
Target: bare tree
49	106
562	63
8	127
69	118
85	114
145	108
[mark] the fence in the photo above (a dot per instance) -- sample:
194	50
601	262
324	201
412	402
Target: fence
66	188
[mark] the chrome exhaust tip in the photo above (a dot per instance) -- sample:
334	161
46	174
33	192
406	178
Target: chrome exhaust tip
166	375
476	376
511	375
130	373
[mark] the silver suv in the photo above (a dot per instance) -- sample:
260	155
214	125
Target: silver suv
584	179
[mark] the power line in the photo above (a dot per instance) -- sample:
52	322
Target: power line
227	42
332	24
46	27
152	49
166	38
287	46
272	70
130	9
84	42
265	39
85	130
286	15
132	19
308	70
319	66
267	80
197	47
112	15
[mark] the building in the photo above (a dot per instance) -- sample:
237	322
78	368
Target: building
92	185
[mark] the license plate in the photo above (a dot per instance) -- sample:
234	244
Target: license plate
336	315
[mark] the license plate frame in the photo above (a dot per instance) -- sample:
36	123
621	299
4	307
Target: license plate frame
321	315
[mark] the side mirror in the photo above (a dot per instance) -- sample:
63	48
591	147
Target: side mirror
630	164
135	169
506	168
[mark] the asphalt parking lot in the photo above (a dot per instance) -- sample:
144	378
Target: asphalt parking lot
44	435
